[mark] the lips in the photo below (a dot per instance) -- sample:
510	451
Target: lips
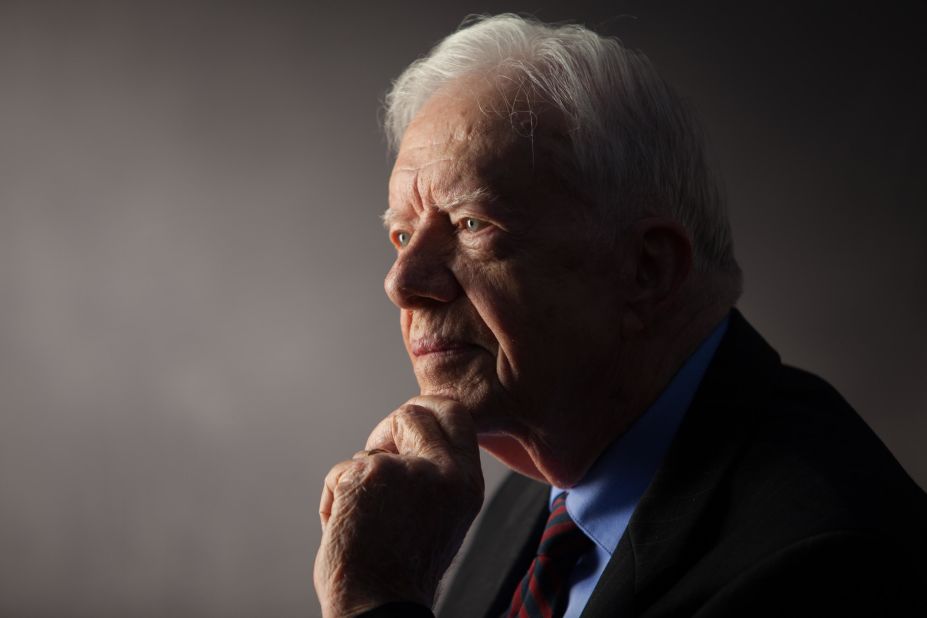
438	345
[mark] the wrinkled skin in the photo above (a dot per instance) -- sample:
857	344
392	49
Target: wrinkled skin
521	334
495	269
487	289
392	522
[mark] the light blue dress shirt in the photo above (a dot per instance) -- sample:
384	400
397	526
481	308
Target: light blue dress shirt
602	503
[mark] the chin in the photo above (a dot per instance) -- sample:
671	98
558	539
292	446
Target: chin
474	392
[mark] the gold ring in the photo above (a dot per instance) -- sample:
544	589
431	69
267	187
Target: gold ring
368	453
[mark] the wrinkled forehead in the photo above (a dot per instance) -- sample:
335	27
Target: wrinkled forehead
474	133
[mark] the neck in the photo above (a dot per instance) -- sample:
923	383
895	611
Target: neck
647	365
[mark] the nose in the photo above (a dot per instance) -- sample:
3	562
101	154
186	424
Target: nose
420	276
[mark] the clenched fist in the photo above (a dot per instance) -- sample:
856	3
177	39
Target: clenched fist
392	521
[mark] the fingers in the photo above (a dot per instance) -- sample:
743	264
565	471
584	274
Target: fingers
331	482
430	427
433	428
411	430
416	432
394	515
454	419
368	453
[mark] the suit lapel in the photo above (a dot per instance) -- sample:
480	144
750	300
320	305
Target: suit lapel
500	552
614	594
671	526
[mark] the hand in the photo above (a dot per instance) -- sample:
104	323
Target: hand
392	522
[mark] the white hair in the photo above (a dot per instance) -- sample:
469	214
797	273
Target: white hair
637	149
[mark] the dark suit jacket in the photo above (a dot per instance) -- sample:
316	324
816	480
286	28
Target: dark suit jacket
774	499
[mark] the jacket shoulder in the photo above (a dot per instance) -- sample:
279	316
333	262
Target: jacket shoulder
790	487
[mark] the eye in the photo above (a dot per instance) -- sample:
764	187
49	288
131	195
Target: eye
473	225
401	238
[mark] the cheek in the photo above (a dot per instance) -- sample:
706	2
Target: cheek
493	293
533	312
499	299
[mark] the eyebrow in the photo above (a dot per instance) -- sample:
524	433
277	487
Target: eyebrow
453	201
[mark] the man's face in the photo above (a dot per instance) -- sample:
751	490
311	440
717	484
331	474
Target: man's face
505	306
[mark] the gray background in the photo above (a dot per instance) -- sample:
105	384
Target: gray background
192	322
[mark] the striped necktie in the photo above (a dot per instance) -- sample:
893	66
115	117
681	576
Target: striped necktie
544	590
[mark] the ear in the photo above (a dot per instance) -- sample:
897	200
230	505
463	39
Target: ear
658	262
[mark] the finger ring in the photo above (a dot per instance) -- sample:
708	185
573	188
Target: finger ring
374	451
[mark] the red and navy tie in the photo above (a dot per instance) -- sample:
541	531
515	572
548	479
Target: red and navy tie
544	590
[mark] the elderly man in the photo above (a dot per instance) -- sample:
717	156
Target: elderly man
566	280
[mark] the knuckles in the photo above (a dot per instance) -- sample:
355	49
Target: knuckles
407	424
384	476
410	415
374	469
392	509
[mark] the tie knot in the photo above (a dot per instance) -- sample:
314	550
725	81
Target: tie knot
562	538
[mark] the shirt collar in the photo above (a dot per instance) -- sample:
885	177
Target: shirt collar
602	503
